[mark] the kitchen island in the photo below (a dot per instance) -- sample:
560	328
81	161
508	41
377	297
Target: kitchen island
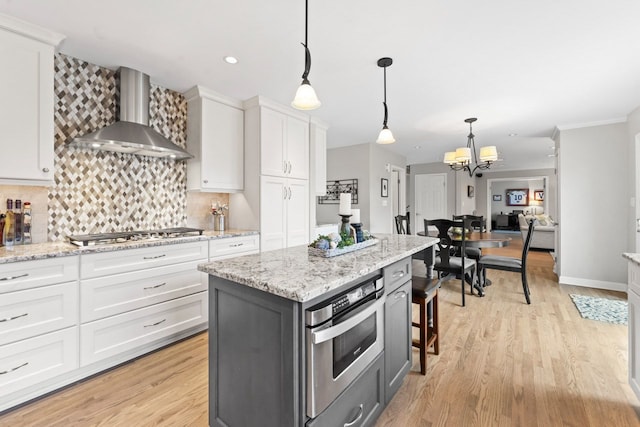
262	365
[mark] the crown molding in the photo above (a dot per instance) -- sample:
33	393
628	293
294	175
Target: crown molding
30	30
590	124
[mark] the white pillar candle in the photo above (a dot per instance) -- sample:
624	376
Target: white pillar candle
355	216
345	204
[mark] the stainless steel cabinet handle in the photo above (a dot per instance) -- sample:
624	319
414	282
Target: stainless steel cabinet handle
339	329
289	171
397	274
14	369
360	412
284	166
14	277
155	324
236	245
400	294
155	257
289	193
156	286
8	319
45	170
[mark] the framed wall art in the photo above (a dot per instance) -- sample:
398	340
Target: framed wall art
384	187
518	197
538	195
470	191
497	197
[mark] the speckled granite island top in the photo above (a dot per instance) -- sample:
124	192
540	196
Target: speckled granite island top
296	275
59	249
634	258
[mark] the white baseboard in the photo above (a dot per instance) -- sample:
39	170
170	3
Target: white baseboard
598	284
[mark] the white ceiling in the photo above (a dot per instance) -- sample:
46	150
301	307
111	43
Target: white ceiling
520	67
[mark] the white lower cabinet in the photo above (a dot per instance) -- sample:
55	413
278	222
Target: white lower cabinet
28	362
117	334
234	246
24	314
284	219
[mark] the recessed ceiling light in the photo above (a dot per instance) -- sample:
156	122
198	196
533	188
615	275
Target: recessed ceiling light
230	59
513	134
417	147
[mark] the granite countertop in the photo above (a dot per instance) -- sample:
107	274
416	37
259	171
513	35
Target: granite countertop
634	258
59	249
294	274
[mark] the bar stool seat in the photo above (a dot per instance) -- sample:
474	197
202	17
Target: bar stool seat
425	291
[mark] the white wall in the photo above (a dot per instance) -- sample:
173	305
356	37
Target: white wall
350	162
367	163
593	222
633	126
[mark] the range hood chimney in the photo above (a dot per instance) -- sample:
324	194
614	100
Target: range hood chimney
132	134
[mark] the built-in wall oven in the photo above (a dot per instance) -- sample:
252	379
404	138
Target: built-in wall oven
343	336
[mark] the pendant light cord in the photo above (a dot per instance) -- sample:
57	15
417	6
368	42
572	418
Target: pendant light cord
386	112
307	54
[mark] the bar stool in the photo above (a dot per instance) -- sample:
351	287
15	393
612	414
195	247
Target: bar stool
423	292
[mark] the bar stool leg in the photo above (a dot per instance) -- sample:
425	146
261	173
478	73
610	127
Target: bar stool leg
423	336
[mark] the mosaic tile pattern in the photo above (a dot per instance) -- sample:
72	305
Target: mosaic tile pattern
98	191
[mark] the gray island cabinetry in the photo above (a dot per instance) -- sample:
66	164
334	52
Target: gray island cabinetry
301	340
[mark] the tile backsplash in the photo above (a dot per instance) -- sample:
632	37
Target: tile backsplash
98	191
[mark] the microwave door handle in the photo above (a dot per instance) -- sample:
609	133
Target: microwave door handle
342	327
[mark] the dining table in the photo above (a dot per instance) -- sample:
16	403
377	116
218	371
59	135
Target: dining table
475	239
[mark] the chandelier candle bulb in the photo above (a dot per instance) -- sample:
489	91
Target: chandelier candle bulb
345	204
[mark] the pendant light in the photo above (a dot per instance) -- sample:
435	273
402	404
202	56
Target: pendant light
385	137
464	158
306	98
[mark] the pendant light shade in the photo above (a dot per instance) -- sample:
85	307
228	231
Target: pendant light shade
306	98
385	137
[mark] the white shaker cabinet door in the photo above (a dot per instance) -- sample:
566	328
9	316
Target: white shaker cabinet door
297	157
272	137
273	215
26	109
634	328
297	212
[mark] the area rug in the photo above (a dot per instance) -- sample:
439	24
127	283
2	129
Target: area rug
602	309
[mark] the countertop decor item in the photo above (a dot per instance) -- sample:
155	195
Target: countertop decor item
328	253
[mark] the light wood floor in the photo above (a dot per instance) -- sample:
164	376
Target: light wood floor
501	363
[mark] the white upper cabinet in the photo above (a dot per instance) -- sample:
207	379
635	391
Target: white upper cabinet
318	163
215	136
26	102
284	143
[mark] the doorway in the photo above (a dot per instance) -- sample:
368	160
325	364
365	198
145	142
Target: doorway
430	199
499	205
397	193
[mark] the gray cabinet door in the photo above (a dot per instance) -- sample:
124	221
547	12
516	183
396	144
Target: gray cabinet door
397	338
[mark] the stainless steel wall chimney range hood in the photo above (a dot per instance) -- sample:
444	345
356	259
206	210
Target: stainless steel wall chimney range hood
132	134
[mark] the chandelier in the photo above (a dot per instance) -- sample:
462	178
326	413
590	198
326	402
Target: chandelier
461	158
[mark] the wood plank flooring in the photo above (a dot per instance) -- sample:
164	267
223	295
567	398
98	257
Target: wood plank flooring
501	363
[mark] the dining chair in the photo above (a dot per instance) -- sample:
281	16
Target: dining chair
504	263
402	224
446	261
470	222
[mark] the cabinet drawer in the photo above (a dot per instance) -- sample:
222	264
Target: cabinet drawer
226	248
28	362
360	404
111	336
123	261
106	296
396	274
24	314
22	275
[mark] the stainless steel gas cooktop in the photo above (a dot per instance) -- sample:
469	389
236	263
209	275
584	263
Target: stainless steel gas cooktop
128	236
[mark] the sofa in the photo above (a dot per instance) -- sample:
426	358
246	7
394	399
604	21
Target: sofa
544	231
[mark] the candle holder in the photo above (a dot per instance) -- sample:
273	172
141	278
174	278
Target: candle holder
344	228
359	235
